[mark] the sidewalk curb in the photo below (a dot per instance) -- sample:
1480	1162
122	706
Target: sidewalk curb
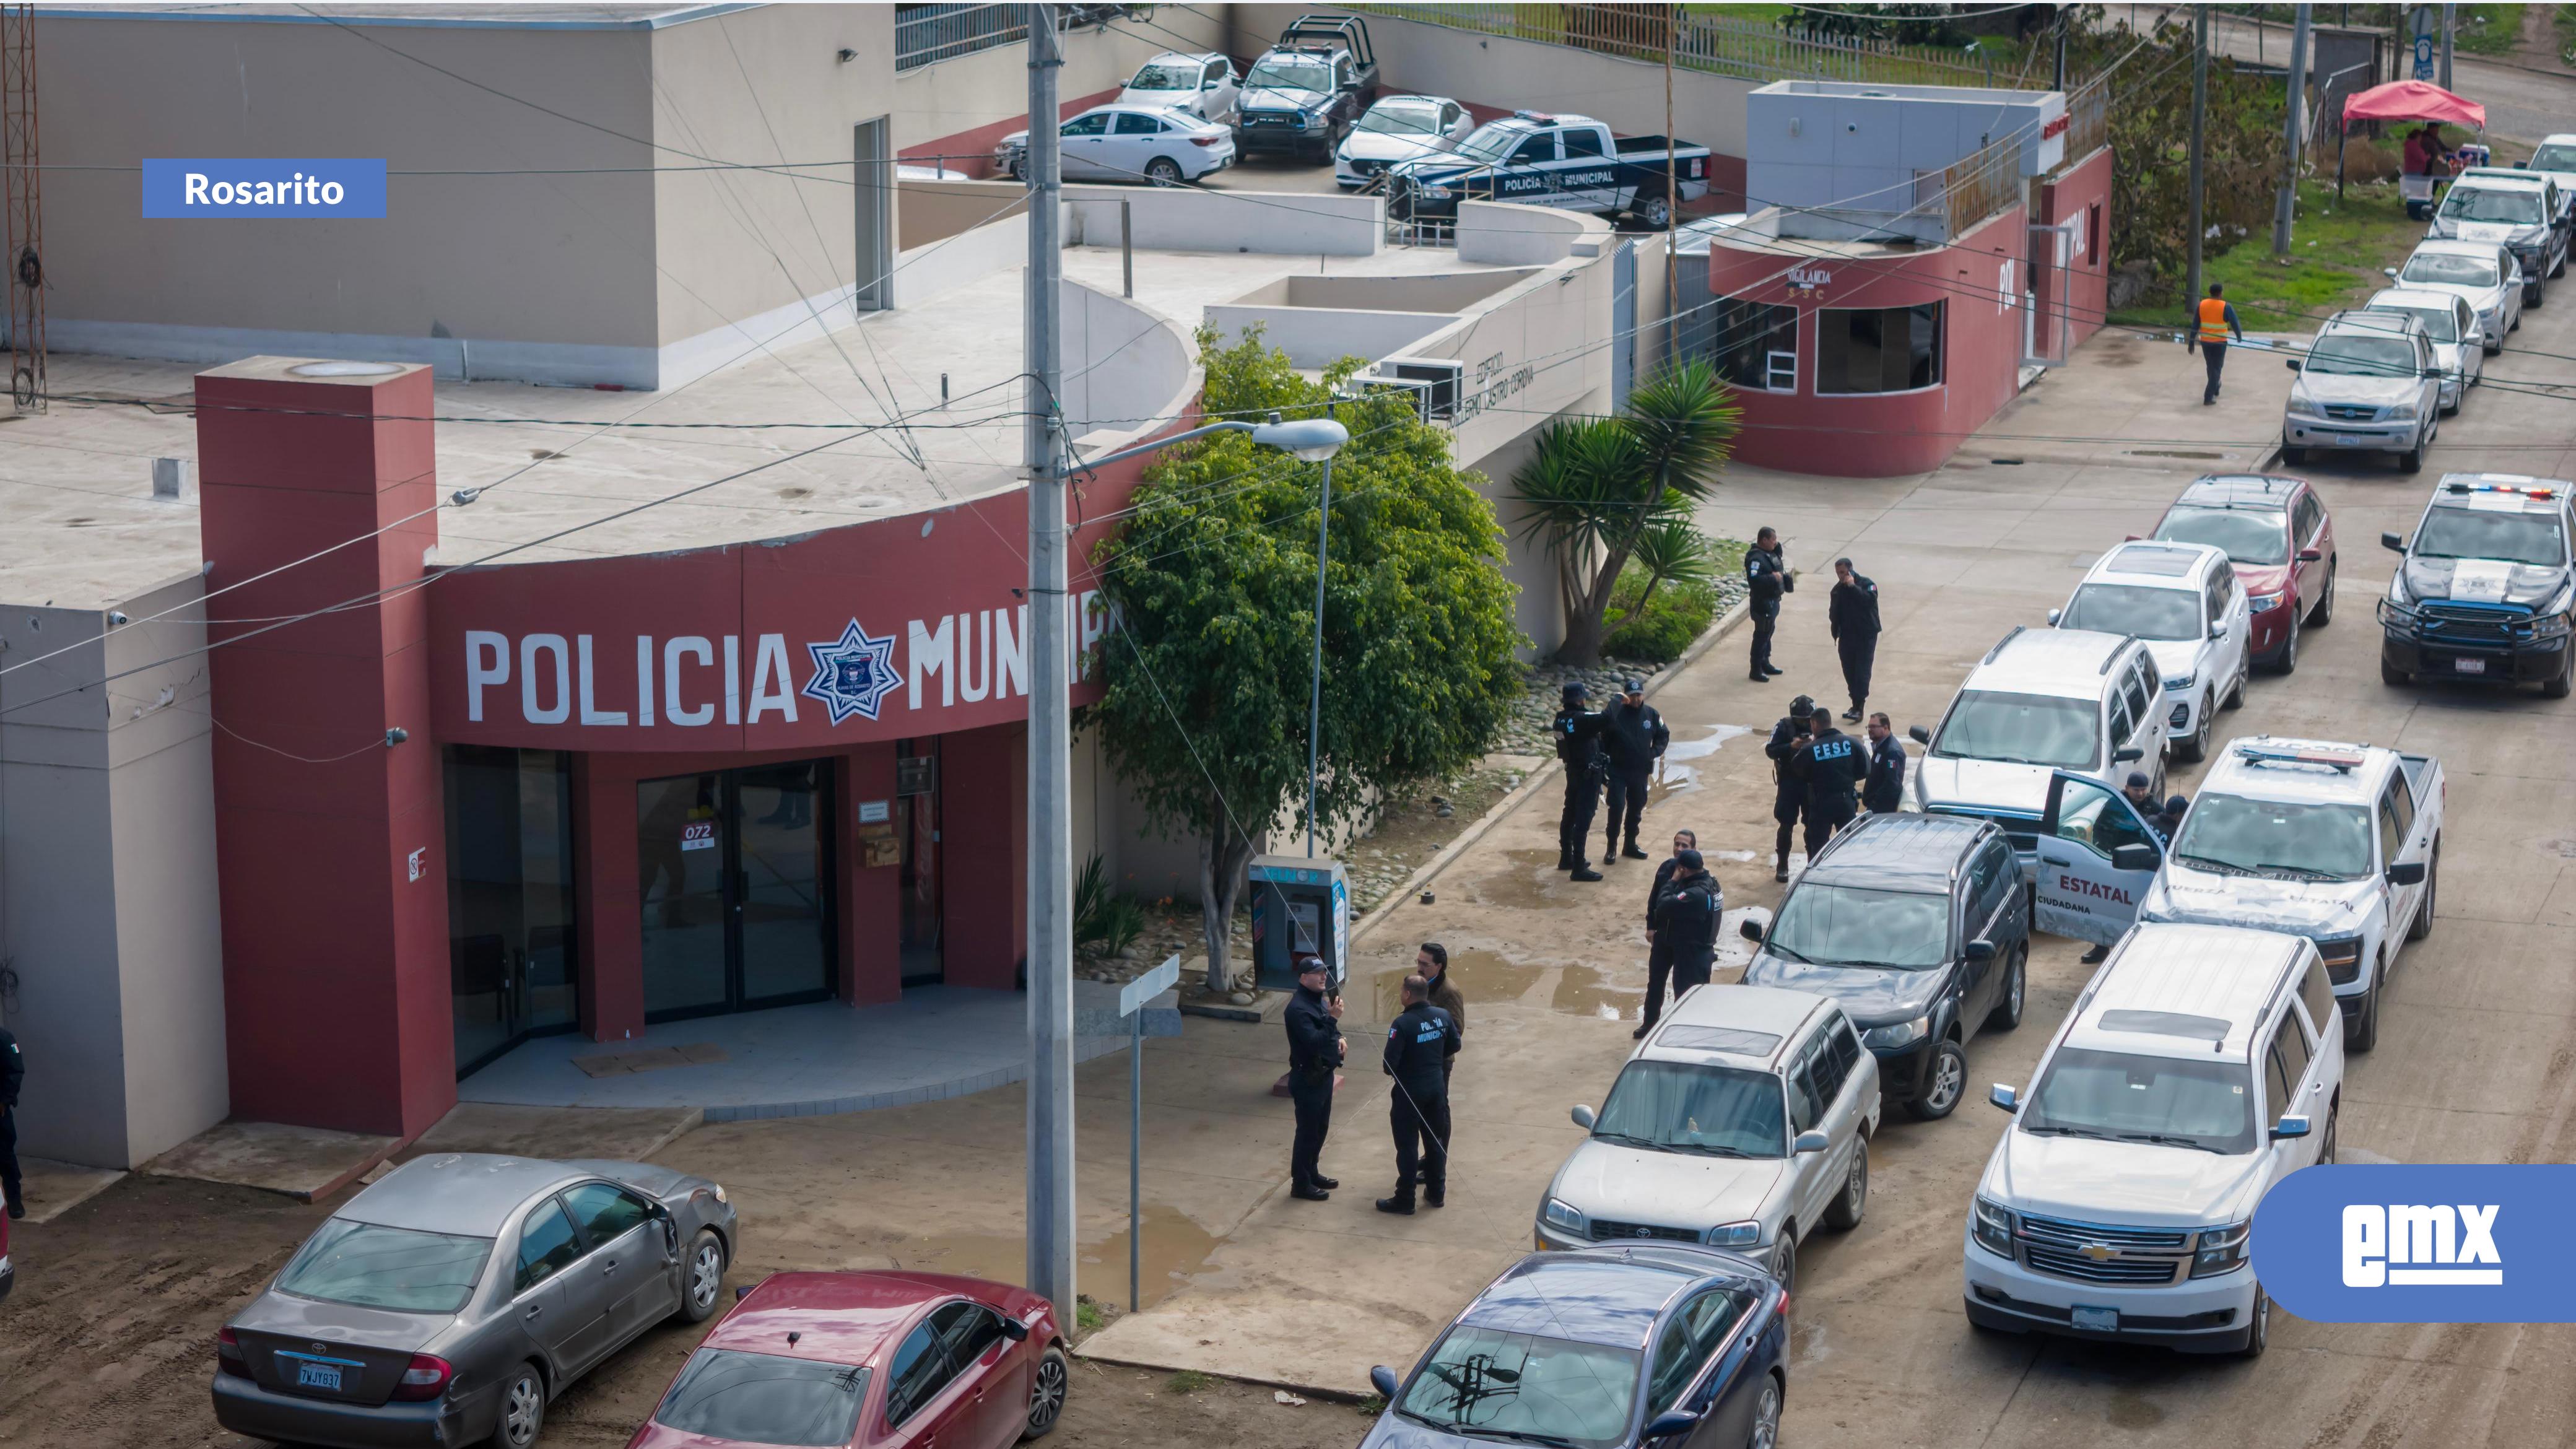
1431	869
1311	1391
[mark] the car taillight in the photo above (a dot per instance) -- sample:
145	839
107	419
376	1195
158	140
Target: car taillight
427	1377
228	1354
1205	140
1784	1305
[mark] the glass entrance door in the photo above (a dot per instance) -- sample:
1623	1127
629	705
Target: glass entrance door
916	822
509	898
735	884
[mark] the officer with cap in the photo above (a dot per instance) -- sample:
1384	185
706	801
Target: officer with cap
1578	744
1314	1054
1830	766
1635	736
1686	923
1788	793
1419	1043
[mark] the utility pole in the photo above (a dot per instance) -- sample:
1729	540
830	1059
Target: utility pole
2449	14
1050	740
2199	112
1672	194
2286	208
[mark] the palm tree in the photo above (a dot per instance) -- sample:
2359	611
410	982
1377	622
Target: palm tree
1595	489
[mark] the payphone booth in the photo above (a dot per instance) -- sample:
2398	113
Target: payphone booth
1299	905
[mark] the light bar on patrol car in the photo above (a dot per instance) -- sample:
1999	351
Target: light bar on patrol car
2258	754
2540	493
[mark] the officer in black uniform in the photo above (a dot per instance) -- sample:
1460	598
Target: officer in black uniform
1636	737
1419	1044
13	1070
1314	1052
1830	765
1687	919
1788	793
1766	578
1578	744
1852	614
1659	947
1883	793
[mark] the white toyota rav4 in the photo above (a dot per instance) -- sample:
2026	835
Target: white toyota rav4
2184	600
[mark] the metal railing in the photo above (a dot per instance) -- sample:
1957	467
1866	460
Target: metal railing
1718	44
1982	185
2088	119
929	34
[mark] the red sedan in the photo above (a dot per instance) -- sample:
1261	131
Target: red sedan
2277	533
912	1359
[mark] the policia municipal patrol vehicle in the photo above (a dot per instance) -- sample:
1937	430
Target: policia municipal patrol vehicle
1572	162
2485	591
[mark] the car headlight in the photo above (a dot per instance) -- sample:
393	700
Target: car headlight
2176	683
720	1192
2266	603
1735	1235
1435	191
2399	413
1897	1033
2222	1250
2549	626
1562	1217
2343	959
1993	1227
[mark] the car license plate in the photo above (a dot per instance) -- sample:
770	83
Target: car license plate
310	1375
2100	1320
2470	666
2347	440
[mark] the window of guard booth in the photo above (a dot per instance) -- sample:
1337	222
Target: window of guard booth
510	916
1753	344
1878	349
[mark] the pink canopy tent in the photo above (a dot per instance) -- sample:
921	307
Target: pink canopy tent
2412	100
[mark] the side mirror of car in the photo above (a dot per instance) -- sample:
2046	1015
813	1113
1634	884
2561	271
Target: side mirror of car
2312	555
659	1211
1811	1141
2292	364
2054	615
2394	543
1750	929
1671	1422
1015	1330
2004	1097
2434	373
2522	166
1919	735
2388	272
2406	873
1584	1118
1382	1379
2126	754
1981	949
2134	856
2289	1128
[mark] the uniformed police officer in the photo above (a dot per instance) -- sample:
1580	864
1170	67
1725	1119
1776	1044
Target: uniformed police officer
1419	1044
1578	744
1883	792
1831	767
1659	947
1635	737
13	1070
1314	1052
1788	793
1686	921
1851	613
1766	578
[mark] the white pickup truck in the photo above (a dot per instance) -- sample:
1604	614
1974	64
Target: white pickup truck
2339	843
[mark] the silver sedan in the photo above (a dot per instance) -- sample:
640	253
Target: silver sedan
451	1301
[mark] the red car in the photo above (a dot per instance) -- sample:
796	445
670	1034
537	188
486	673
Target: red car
912	1359
2276	531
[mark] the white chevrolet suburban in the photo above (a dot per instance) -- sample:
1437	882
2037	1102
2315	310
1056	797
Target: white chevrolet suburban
2199	1067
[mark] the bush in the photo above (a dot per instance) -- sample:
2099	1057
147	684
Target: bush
1677	613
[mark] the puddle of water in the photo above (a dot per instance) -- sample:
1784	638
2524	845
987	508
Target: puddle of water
1175	1248
1480	976
1588	991
1736	855
1733	951
1677	777
1526	884
2128	1410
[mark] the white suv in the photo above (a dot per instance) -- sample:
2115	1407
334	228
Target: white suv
2041	701
2183	599
2200	1066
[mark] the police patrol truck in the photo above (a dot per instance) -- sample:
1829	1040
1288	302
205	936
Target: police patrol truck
1572	162
2485	592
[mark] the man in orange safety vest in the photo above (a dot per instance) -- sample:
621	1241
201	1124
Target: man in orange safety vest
2217	320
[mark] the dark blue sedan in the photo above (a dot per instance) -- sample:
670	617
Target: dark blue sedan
1607	1347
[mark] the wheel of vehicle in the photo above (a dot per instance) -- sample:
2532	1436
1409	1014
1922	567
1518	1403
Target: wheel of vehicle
2422	926
1163	171
1046	1394
1766	1417
2323	613
2362	1032
2287	662
2391	674
704	1283
2326	1146
2412	460
2558	268
523	1409
1784	1262
1655	213
2292	456
1945	1077
2236	692
2258	1333
2557	688
2007	1012
1020	168
1853	1200
2535	296
2192	751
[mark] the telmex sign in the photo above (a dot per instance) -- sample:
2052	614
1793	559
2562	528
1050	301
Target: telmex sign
909	626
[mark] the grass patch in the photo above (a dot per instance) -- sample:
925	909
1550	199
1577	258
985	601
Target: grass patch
2486	29
1187	1381
2565	21
1087	1315
2336	251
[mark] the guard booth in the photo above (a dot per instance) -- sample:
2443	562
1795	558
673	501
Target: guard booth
1299	905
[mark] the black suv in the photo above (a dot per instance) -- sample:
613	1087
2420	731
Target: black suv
1306	92
1919	926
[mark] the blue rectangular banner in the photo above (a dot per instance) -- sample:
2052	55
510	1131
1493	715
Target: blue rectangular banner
263	187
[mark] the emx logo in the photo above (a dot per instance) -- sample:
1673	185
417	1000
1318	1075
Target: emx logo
2399	1244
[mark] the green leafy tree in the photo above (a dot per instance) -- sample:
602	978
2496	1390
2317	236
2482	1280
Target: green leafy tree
1596	488
1212	576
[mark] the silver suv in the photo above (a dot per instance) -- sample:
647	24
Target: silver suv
2370	383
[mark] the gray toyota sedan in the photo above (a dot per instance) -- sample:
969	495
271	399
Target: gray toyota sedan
449	1302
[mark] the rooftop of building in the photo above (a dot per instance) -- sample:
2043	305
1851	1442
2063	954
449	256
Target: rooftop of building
426	15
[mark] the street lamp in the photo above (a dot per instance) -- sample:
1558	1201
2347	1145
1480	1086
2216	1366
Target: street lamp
1309	440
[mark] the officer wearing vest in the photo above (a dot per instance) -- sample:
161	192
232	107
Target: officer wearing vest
1851	613
1315	1050
1686	921
1634	737
1419	1043
1766	578
1578	744
2217	320
1831	766
1787	791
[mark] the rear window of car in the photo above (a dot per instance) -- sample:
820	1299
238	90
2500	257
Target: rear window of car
761	1398
368	1265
